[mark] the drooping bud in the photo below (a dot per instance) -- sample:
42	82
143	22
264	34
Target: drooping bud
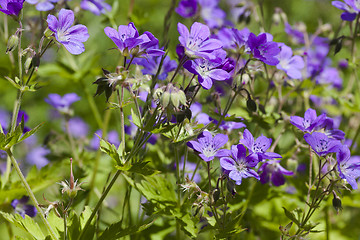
336	203
12	43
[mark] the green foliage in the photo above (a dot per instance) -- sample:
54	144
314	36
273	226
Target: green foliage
27	224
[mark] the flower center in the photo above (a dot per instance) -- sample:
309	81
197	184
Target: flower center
322	145
258	147
209	150
62	35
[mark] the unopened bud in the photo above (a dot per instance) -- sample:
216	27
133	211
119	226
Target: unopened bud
336	203
27	64
216	194
12	43
230	185
251	105
48	33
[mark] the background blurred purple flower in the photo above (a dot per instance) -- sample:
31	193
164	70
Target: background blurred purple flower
97	7
71	37
22	208
309	122
321	144
238	165
62	104
151	65
11	7
112	137
348	167
274	172
37	156
351	8
259	146
262	49
43	5
330	76
209	146
187	8
78	128
196	43
213	16
290	64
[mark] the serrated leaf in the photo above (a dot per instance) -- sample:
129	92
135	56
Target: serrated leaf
28	224
138	167
110	150
115	231
31	132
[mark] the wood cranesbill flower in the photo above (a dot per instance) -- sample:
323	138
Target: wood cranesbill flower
259	146
97	7
350	7
187	8
348	167
209	146
21	207
197	43
263	49
208	70
321	144
127	38
71	37
274	172
62	104
290	64
238	165
42	5
309	122
11	7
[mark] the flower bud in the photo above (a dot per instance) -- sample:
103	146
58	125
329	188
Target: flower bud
216	194
12	43
72	187
230	185
48	33
337	203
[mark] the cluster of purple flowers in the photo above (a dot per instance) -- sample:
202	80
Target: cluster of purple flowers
247	159
324	139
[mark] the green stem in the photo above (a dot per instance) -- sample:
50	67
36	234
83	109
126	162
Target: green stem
31	194
92	104
20	52
71	140
120	98
65	227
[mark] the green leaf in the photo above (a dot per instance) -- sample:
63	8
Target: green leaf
28	224
110	150
291	216
115	231
138	167
136	119
31	132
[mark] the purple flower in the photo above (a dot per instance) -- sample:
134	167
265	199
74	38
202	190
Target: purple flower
262	49
187	8
22	208
274	172
196	43
238	165
290	64
42	5
213	16
151	65
351	8
208	146
321	144
329	127
112	137
259	146
37	156
207	70
62	104
97	7
11	7
296	35
348	167
149	48
329	75
78	128
4	119
126	38
200	117
240	37
71	37
309	122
